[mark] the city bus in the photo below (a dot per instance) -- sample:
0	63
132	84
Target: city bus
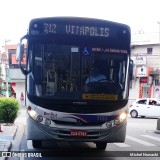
65	102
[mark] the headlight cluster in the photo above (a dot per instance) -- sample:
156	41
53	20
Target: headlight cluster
119	120
48	122
40	119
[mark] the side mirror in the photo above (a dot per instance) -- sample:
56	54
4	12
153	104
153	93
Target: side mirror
19	52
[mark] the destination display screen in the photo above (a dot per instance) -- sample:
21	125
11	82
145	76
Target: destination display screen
69	29
83	28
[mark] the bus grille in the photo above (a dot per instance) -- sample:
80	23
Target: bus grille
75	123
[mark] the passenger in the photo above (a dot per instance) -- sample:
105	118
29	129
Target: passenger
157	94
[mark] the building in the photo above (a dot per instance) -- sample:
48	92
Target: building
13	81
146	56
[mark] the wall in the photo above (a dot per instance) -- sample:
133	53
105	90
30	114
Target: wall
16	74
17	77
153	60
134	91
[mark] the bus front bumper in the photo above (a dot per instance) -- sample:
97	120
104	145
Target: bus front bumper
37	131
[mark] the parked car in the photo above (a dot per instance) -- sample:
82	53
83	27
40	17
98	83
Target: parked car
145	107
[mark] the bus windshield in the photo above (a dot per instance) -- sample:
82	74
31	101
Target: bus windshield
76	72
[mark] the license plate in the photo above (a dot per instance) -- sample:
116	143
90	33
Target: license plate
78	133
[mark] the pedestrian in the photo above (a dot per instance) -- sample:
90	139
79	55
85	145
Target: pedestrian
22	99
157	93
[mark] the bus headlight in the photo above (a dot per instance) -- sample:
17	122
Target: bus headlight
121	118
39	118
109	124
48	122
33	114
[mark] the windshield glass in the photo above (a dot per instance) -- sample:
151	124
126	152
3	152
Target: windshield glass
61	71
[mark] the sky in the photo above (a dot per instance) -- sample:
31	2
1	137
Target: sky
15	15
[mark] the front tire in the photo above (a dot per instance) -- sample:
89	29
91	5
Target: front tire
37	143
101	145
134	114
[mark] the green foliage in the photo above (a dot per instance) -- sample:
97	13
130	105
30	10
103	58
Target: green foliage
8	109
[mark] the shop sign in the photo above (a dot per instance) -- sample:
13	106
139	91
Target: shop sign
143	79
139	60
141	72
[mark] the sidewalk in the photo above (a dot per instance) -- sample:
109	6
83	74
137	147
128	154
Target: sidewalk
7	136
9	132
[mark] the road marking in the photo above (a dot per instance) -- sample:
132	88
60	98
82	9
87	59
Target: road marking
29	144
139	141
21	158
151	137
122	144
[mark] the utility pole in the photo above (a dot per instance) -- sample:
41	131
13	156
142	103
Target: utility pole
158	120
159	30
7	67
0	73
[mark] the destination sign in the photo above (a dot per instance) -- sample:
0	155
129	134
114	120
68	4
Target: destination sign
87	96
69	29
109	50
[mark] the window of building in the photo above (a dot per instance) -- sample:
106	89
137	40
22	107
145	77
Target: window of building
149	50
157	82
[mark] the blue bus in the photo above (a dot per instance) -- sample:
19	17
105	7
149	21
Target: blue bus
77	80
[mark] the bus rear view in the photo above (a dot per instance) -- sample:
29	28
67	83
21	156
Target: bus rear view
77	78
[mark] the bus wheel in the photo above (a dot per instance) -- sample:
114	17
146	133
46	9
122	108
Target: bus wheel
134	114
101	145
37	143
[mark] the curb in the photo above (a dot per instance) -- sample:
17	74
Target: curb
11	136
157	131
6	149
8	141
7	146
14	132
158	126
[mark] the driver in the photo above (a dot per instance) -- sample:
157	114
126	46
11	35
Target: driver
95	76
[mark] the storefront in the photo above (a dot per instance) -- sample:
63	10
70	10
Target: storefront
11	89
145	81
156	88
